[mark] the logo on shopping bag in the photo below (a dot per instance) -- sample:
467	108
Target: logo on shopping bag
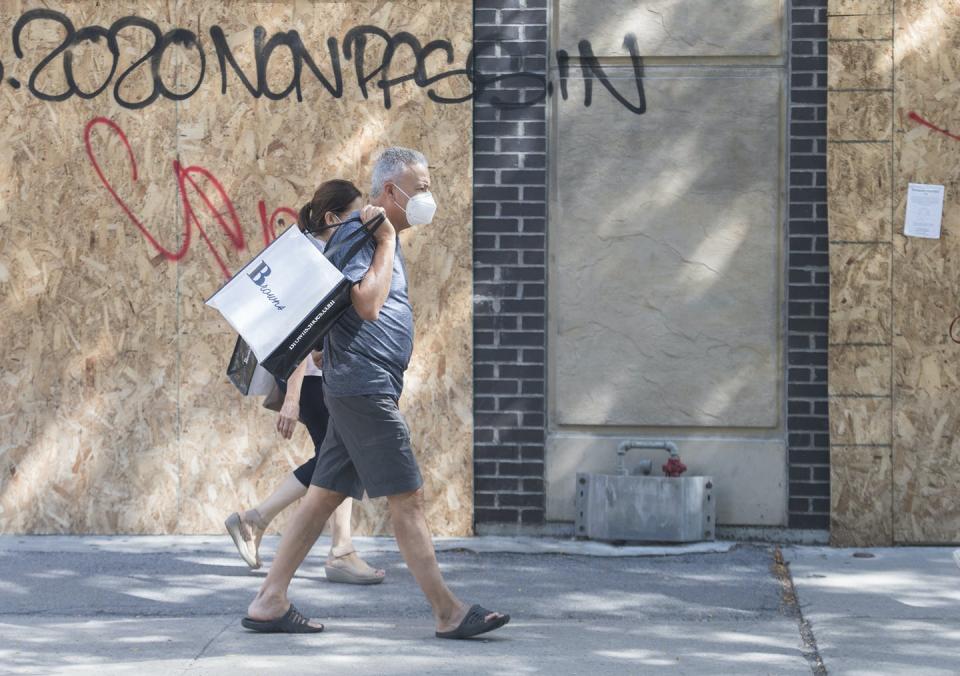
259	277
320	315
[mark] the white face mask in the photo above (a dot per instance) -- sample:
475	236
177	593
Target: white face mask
420	208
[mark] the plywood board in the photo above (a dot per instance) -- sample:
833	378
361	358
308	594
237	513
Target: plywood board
859	293
859	116
121	418
859	206
860	505
859	201
860	421
859	65
859	7
861	370
87	342
926	443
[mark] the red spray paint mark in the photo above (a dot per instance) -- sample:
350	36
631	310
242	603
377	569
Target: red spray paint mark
189	216
919	120
270	225
229	223
167	253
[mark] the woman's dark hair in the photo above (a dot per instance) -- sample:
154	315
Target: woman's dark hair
334	195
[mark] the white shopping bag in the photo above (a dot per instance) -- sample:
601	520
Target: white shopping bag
285	300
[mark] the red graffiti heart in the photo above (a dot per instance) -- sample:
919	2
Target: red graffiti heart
226	217
230	225
87	132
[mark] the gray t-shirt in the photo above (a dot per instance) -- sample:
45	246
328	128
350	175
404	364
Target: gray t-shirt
361	357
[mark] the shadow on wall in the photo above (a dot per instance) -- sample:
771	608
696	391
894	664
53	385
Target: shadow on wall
666	243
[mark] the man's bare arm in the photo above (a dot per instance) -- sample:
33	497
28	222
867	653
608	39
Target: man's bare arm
371	292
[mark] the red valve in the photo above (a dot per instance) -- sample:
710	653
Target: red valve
674	467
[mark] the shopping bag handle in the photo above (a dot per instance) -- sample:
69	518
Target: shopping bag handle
366	234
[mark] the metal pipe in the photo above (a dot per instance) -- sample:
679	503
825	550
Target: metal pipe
625	446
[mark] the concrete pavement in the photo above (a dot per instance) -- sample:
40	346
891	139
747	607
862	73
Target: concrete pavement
76	605
881	611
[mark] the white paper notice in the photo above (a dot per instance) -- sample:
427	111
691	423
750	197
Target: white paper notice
924	211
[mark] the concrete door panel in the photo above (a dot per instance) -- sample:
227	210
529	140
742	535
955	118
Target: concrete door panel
664	250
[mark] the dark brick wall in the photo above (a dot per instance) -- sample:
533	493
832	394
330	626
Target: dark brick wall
808	289
509	258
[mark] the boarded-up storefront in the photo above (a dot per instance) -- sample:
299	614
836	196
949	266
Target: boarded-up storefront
147	151
894	367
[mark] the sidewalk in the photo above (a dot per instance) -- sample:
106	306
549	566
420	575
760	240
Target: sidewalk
172	605
895	611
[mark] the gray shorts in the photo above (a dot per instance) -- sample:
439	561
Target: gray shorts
367	446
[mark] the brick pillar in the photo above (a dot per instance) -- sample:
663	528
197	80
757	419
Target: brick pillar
509	261
808	283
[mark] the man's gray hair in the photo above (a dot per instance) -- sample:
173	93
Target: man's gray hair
391	163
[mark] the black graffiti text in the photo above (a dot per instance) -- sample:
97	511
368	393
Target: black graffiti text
372	74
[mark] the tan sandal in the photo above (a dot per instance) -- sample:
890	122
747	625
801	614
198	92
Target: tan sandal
246	541
346	573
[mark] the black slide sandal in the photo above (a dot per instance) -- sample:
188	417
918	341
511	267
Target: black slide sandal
292	622
474	624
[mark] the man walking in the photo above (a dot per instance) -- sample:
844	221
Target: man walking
367	446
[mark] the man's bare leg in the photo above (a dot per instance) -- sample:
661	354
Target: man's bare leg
416	546
298	537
